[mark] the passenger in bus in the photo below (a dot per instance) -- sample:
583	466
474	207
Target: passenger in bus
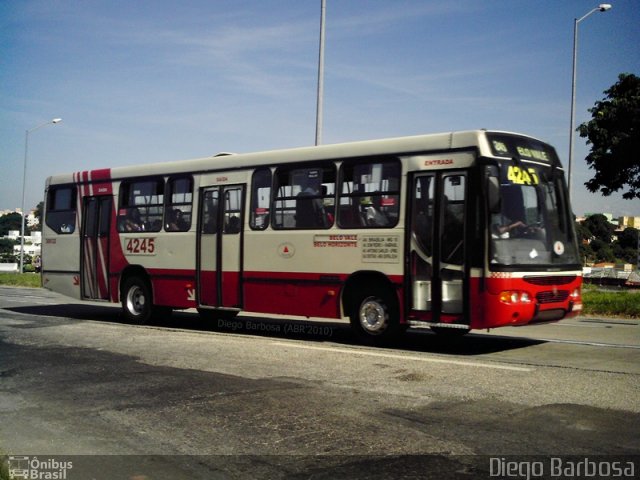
310	211
174	220
133	221
233	225
372	215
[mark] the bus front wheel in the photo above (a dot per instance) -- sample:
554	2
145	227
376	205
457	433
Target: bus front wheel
375	319
137	304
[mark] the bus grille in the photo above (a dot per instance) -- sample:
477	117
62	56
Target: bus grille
552	297
550	280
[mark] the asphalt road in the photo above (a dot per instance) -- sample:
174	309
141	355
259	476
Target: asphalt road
266	398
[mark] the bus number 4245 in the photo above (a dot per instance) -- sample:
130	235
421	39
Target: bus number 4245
141	246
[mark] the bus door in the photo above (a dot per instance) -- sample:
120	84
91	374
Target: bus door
94	271
437	247
219	249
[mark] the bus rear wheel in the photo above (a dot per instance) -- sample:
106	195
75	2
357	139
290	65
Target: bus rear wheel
137	303
374	318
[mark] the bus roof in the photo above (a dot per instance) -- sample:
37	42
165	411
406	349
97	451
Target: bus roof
401	145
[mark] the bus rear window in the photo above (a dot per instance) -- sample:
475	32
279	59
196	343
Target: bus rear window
61	209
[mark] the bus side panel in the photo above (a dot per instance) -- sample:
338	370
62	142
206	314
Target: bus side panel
174	288
164	256
297	272
292	293
63	283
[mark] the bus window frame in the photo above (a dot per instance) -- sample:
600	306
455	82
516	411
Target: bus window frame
253	201
169	206
293	170
125	208
358	219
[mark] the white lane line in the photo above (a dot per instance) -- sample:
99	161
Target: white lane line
589	344
404	357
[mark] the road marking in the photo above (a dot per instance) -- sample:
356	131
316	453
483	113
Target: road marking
404	357
589	344
610	322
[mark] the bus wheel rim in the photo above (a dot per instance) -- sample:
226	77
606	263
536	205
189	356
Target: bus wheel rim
373	316
136	300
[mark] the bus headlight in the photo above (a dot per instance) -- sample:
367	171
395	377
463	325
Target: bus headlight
514	296
575	294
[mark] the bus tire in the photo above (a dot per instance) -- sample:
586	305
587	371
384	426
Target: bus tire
374	318
137	302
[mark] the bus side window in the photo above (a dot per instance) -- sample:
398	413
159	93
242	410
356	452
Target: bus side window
141	205
260	199
61	209
369	193
305	197
179	205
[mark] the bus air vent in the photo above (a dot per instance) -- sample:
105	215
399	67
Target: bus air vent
552	296
550	280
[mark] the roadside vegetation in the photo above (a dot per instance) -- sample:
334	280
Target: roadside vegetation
17	280
616	303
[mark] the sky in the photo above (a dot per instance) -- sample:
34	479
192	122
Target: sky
146	81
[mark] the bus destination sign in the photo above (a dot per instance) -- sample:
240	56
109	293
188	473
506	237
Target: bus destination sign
521	147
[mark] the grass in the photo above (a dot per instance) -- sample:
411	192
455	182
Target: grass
622	303
20	280
595	301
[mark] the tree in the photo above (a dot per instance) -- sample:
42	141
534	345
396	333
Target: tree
626	246
628	238
6	246
614	136
38	214
583	233
11	221
599	227
603	251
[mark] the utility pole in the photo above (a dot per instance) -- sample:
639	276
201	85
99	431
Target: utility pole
323	8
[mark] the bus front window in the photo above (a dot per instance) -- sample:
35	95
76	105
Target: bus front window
533	226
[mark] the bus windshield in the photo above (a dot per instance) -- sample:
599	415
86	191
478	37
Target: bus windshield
533	226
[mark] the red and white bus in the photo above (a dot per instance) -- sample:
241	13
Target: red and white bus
453	231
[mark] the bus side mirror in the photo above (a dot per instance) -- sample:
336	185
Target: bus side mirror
492	187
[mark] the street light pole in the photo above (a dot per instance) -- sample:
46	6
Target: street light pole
603	7
24	184
323	7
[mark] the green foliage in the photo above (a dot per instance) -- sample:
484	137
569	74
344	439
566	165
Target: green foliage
614	136
603	251
38	213
4	468
628	238
599	227
595	236
20	280
6	246
8	222
611	303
